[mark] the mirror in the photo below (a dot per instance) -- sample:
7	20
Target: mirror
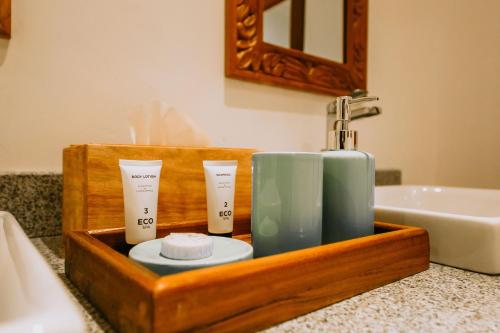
4	18
313	26
313	45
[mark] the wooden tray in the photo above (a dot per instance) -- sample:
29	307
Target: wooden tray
243	296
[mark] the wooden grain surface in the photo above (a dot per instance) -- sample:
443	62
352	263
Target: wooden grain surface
267	291
121	289
249	57
74	189
93	195
244	296
5	18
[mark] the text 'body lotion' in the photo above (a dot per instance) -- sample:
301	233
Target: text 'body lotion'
140	180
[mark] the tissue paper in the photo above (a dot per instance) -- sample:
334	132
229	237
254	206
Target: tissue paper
160	124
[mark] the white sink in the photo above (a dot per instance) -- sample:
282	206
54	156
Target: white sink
32	298
463	223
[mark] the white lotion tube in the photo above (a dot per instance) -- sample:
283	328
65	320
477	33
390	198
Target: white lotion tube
140	180
220	179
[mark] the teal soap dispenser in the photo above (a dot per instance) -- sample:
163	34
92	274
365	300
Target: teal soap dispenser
348	179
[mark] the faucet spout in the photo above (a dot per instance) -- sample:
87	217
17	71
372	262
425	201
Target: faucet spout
364	112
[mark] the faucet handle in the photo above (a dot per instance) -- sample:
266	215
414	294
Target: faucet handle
340	105
362	99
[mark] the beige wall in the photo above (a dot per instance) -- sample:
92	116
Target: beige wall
469	110
436	66
75	69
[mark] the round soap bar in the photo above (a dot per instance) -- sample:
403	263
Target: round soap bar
187	246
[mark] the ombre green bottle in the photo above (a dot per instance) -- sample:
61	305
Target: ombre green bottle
348	179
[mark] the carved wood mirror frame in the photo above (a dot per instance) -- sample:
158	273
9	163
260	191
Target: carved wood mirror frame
248	57
4	18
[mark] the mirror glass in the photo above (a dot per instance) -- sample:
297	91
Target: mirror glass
313	26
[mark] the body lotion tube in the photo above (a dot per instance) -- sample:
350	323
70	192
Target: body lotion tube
140	180
220	179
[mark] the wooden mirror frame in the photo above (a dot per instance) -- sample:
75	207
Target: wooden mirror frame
248	57
5	18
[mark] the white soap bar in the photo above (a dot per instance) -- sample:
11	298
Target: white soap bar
187	246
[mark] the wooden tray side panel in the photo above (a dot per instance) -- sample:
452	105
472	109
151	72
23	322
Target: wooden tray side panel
182	193
122	290
74	189
248	297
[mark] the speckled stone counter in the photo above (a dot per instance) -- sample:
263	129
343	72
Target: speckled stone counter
35	199
441	299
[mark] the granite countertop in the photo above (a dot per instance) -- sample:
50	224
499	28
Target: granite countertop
441	299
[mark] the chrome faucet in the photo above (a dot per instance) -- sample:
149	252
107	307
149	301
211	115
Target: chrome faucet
336	106
357	113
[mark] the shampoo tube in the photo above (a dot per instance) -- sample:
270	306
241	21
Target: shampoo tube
140	180
220	182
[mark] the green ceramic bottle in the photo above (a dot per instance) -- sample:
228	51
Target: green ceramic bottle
348	180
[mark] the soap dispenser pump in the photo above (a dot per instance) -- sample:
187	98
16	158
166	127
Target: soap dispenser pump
348	179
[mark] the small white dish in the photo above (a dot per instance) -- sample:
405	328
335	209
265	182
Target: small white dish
226	250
